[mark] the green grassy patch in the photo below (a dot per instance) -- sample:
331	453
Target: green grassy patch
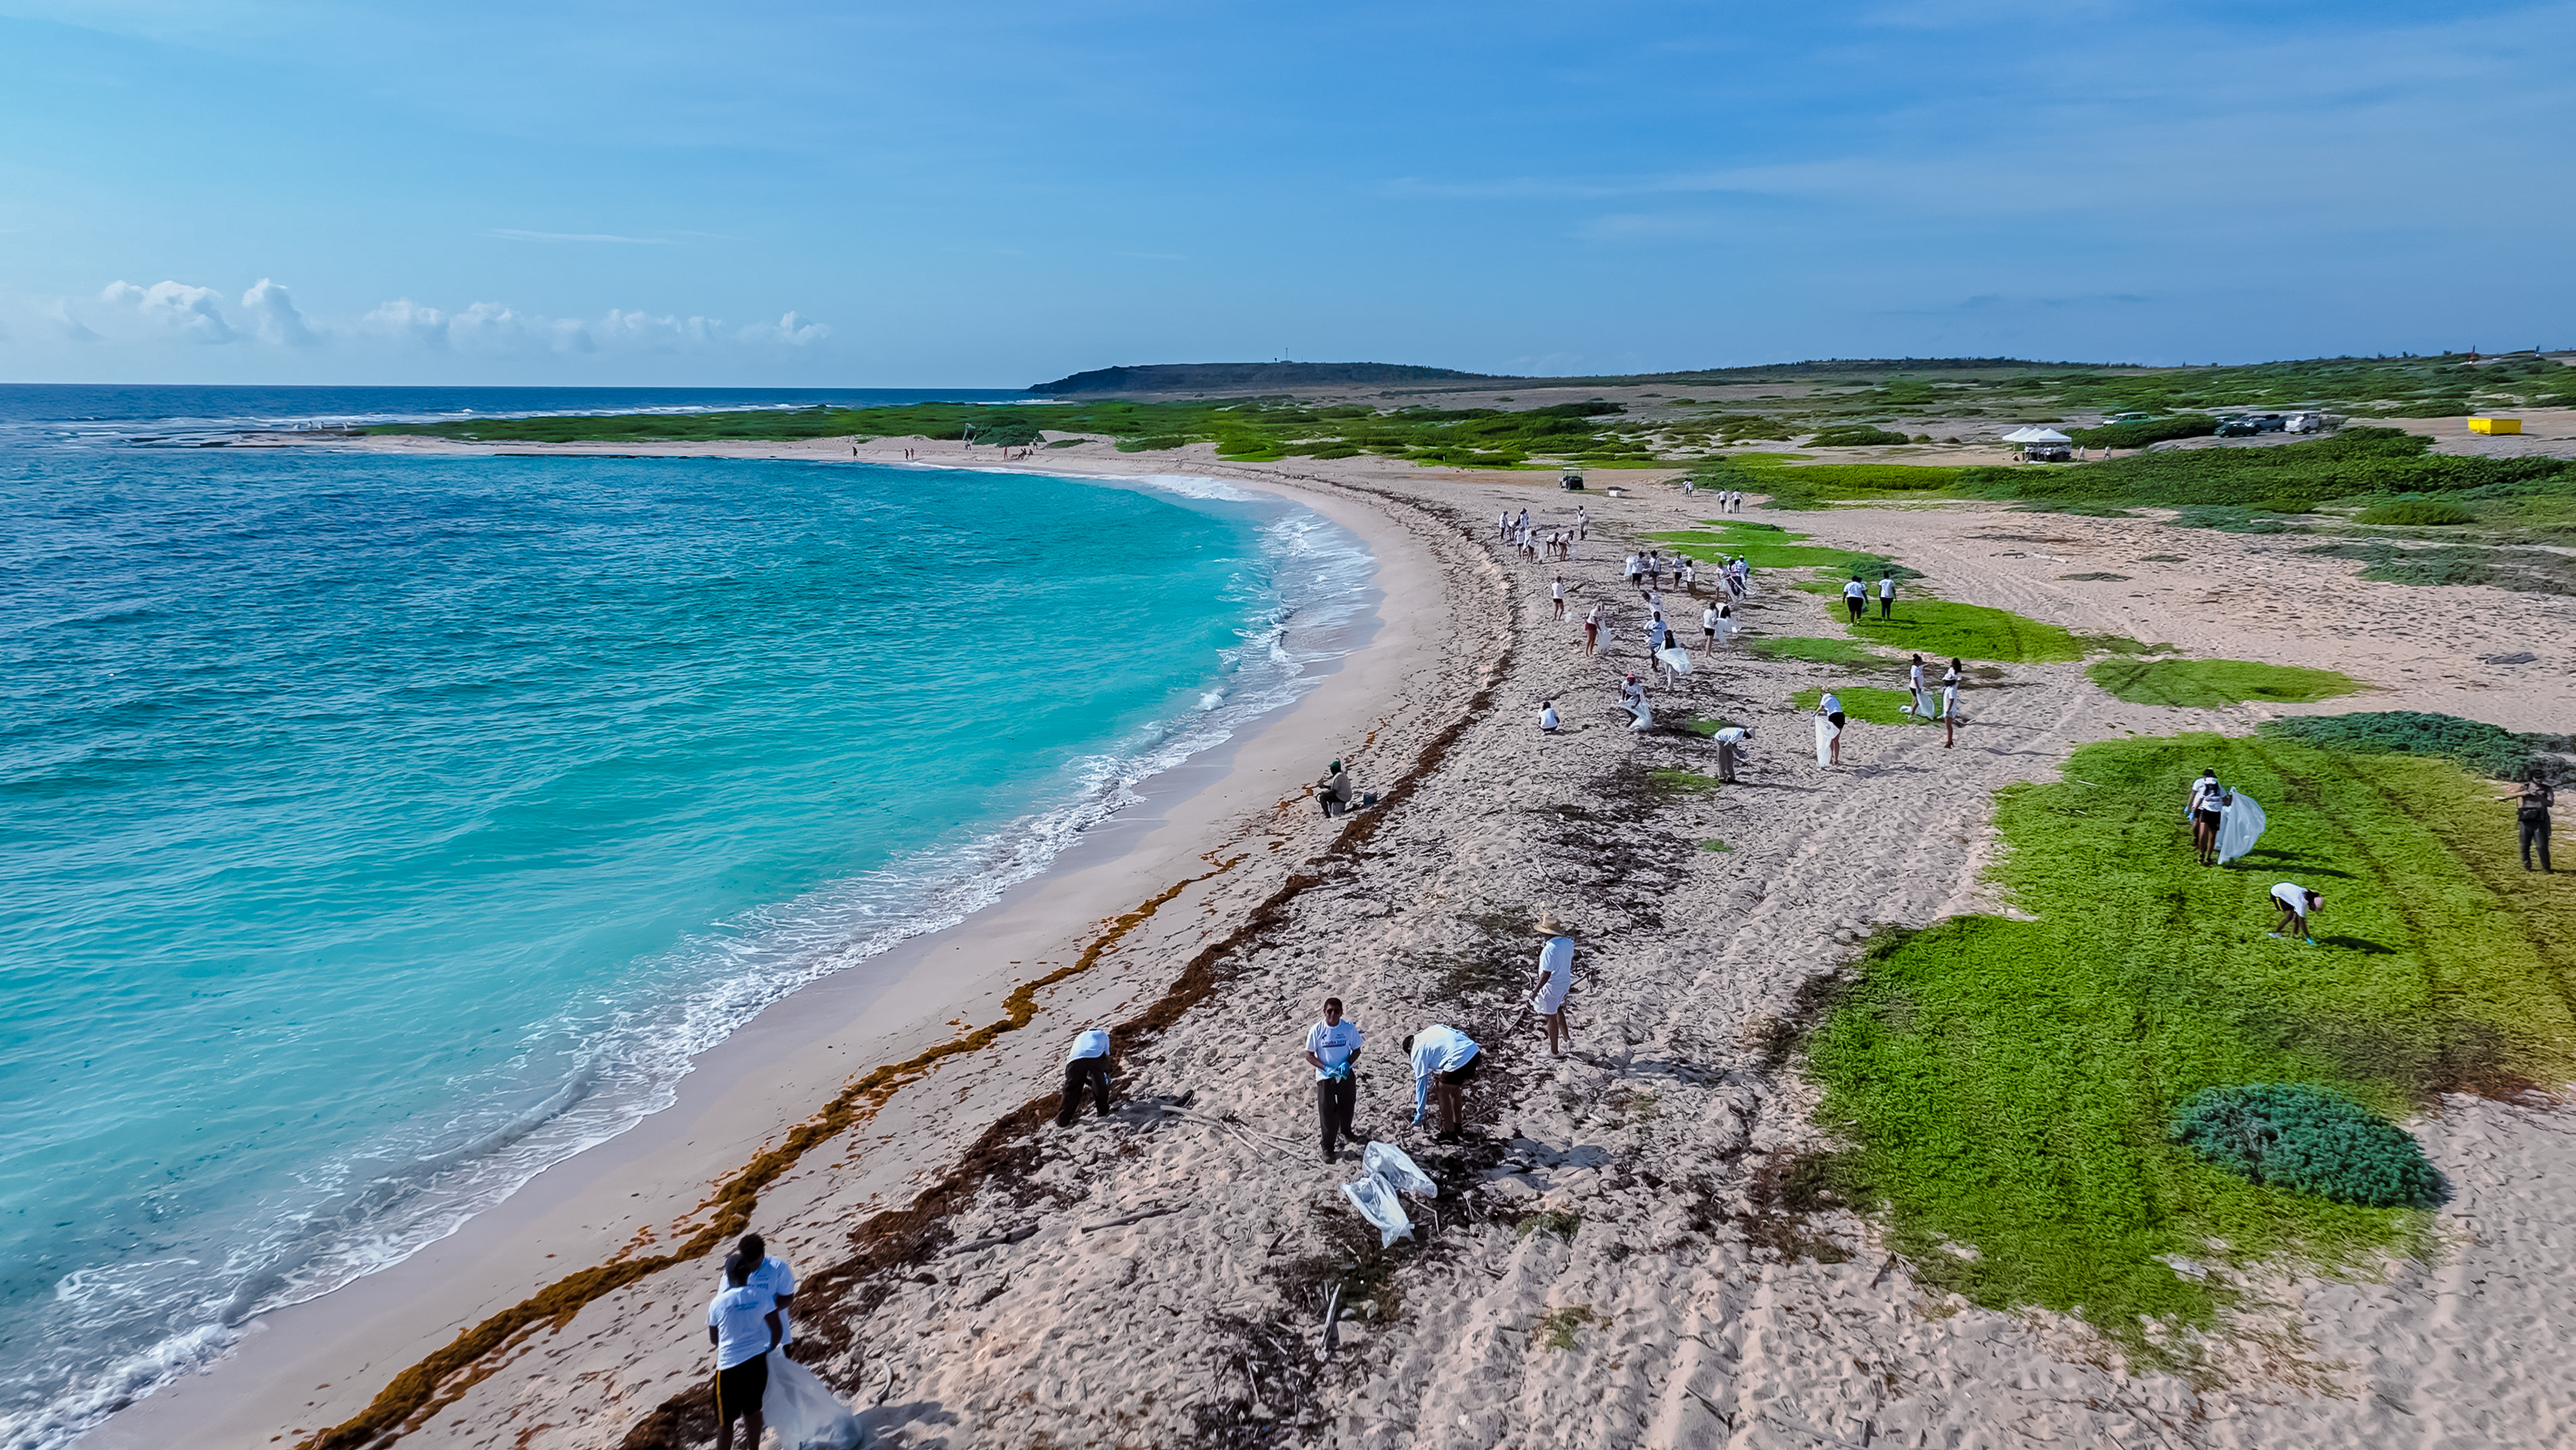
2164	558
1865	702
1942	627
1680	780
1768	546
2009	1086
1713	844
2094	578
2532	571
2416	511
1555	1221
2357	462
2207	684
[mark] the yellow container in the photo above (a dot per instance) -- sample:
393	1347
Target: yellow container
2495	425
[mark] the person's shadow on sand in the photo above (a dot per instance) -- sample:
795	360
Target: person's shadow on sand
886	1427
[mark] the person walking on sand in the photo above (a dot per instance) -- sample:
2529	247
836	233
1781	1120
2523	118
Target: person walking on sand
1655	631
2296	902
744	1327
1708	619
1333	791
1592	631
1555	976
2531	814
2208	799
1887	594
1582	522
1634	564
1950	706
1856	595
1444	1061
1829	728
1731	740
1085	1065
1333	1049
1556	592
1547	718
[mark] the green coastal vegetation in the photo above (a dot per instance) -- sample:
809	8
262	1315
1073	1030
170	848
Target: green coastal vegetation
1866	703
2208	684
2022	1100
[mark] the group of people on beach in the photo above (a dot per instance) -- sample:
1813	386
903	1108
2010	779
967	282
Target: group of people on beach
1443	1058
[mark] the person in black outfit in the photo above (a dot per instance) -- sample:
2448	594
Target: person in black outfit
2532	815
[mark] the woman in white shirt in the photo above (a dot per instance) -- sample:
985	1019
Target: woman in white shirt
1555	975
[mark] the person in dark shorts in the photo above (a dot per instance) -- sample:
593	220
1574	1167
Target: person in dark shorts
1856	594
1333	1049
1445	1060
2295	903
1085	1066
2532	814
743	1325
2207	798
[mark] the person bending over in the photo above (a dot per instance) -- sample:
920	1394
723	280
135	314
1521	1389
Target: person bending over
1444	1059
1085	1066
2295	902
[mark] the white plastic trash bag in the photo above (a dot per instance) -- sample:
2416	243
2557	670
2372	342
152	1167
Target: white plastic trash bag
803	1409
1377	1203
2240	825
1676	659
1389	1162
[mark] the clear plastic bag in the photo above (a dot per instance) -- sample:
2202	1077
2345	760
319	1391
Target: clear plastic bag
1377	1203
1389	1162
803	1409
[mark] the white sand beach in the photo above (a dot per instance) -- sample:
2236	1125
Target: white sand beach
976	1276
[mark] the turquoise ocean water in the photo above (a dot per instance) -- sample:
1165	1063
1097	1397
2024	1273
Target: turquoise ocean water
376	831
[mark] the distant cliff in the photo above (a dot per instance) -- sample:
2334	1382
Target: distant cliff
1235	377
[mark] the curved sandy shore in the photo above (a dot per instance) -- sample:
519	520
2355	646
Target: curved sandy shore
979	1277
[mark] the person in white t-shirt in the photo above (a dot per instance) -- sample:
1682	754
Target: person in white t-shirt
744	1327
1086	1065
1333	1049
1731	740
771	1275
1886	594
1556	591
1856	595
1555	977
1444	1059
2296	902
2205	809
1547	717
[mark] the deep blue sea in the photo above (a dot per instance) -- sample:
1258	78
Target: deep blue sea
375	831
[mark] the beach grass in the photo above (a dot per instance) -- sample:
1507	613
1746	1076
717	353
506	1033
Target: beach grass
2207	684
1865	703
1944	629
1768	546
2007	1085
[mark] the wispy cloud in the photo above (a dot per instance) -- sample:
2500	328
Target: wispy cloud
194	313
513	234
274	317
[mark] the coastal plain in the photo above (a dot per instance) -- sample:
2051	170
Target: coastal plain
1618	1255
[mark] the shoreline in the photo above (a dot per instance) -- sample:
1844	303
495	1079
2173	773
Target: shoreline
941	1254
773	1070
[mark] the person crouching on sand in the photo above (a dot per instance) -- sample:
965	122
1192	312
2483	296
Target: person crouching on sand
1444	1059
1333	1049
744	1327
1086	1065
1547	717
1333	792
1555	975
2296	902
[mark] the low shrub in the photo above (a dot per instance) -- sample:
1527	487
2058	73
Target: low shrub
2145	431
2487	749
2416	511
2308	1140
1856	435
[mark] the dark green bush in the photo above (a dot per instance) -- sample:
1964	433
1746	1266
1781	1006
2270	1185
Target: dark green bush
2303	1138
2357	461
2147	430
2476	745
2416	511
1856	435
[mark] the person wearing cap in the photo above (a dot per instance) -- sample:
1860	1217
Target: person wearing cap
2296	902
1086	1065
1333	791
1444	1059
744	1327
2205	810
1333	1049
1555	975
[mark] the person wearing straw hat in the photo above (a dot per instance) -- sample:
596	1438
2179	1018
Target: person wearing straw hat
1555	975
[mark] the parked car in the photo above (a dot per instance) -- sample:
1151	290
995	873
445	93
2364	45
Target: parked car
1570	479
2243	425
2117	419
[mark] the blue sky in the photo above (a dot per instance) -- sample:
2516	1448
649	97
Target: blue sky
990	194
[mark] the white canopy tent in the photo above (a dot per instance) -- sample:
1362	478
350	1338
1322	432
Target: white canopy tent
2036	434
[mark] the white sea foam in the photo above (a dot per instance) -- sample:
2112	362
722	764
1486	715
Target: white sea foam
376	1213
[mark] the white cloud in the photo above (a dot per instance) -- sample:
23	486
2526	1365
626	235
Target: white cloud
195	313
274	318
67	326
786	331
